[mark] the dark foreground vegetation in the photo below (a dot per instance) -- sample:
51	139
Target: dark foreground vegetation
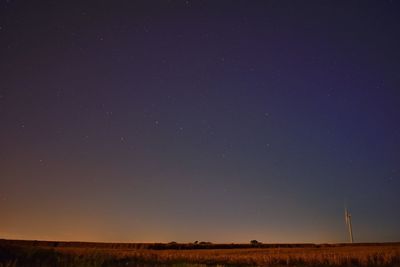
64	254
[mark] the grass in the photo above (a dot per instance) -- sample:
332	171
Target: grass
65	254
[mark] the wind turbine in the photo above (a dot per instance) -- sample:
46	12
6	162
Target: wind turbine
347	218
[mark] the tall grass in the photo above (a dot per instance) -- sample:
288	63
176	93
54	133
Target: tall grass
65	256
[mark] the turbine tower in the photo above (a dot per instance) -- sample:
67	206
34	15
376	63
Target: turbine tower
347	218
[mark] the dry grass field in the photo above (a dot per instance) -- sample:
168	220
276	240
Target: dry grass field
30	253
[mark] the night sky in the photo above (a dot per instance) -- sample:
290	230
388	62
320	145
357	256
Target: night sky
221	121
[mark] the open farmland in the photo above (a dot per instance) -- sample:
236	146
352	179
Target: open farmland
38	253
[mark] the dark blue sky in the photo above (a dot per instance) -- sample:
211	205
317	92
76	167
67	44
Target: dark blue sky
220	121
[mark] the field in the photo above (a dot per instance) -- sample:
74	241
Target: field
63	254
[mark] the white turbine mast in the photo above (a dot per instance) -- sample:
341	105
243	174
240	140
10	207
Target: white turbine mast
347	218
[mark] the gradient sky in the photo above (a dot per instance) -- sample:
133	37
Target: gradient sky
222	121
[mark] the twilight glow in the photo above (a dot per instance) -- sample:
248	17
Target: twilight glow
221	121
